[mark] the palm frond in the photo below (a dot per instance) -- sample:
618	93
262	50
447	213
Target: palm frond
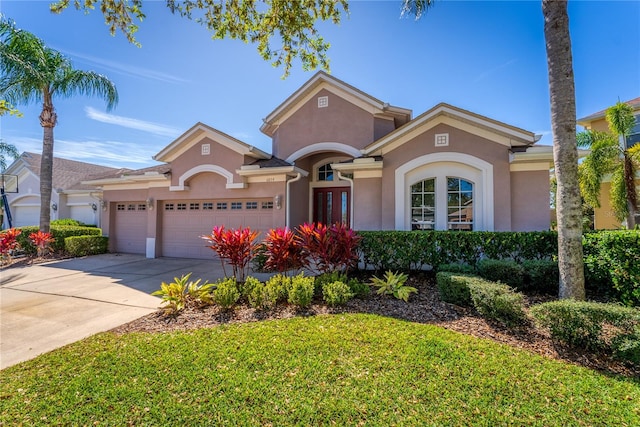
620	118
78	82
618	195
415	7
7	150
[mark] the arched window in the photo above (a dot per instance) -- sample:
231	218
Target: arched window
423	205
325	173
459	204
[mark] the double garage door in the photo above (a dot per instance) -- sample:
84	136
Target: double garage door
182	222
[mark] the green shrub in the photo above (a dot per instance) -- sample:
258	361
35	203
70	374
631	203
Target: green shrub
394	284
65	221
254	291
322	279
502	270
359	289
613	257
627	347
301	291
226	293
260	256
182	293
336	293
457	268
246	287
580	323
277	288
86	245
453	288
59	233
498	302
541	275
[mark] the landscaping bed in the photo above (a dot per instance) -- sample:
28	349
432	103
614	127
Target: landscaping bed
424	306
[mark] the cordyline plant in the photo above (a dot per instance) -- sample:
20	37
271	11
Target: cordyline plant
8	243
332	248
234	246
42	241
284	252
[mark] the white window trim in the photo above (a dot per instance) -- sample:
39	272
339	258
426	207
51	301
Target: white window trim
323	146
458	165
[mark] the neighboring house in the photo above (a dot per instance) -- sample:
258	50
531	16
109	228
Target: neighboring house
604	217
339	154
69	197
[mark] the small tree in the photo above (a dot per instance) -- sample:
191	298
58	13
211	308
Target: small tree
284	252
610	156
234	246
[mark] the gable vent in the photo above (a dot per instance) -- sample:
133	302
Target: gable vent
323	101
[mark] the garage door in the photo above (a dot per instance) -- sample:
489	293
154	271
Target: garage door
131	227
85	214
25	215
184	221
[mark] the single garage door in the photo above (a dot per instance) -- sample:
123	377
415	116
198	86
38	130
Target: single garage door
25	215
131	227
184	221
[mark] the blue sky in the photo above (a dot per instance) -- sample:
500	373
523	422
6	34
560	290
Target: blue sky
487	57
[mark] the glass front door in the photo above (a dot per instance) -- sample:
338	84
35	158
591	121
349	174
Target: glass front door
331	205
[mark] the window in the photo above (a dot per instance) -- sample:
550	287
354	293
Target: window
423	205
634	137
207	206
325	173
236	206
182	207
142	207
221	206
267	205
251	205
168	206
459	204
131	207
194	206
120	207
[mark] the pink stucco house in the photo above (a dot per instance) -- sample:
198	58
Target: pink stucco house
339	154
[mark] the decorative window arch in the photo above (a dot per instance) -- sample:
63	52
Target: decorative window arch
474	179
324	146
206	168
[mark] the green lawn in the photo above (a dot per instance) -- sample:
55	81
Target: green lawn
324	370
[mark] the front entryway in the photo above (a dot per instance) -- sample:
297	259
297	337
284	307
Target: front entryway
331	205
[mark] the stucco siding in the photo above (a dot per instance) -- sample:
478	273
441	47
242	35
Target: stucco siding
530	201
340	122
367	204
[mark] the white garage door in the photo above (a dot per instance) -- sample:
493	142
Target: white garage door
131	227
84	213
25	215
184	221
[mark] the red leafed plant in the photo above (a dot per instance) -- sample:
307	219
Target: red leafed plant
284	252
234	246
42	241
8	243
331	248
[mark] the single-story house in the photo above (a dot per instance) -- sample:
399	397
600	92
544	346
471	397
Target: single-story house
604	218
69	197
338	154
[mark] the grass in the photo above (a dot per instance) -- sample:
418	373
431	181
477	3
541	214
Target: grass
324	370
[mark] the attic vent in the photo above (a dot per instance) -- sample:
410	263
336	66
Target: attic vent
206	149
323	101
442	139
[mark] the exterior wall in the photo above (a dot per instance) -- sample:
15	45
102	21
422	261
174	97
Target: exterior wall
79	207
600	125
530	201
340	122
219	155
382	127
459	142
367	204
604	217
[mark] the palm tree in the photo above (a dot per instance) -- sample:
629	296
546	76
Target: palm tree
32	72
611	156
565	150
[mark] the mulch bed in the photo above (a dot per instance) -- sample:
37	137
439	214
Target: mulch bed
423	307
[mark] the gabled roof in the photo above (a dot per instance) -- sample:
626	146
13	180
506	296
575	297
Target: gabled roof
197	133
322	80
152	173
634	103
500	132
67	174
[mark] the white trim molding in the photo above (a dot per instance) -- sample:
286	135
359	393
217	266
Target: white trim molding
207	168
323	146
439	166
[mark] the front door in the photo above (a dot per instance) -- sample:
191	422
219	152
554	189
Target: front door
331	205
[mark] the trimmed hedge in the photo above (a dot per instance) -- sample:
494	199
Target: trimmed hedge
86	245
59	233
502	270
581	323
453	287
413	250
498	302
541	275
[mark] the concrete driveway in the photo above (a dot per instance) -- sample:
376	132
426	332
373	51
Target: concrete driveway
47	306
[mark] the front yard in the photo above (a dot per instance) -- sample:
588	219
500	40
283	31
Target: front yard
342	369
